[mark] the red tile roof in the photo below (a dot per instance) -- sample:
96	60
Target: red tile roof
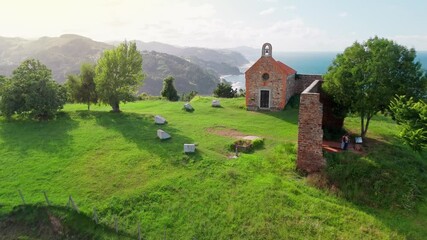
286	68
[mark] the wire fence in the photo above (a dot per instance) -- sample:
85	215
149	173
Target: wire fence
72	205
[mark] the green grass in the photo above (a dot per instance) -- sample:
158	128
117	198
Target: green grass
115	162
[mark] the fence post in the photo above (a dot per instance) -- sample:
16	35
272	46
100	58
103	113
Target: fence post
139	230
95	216
72	203
47	199
22	196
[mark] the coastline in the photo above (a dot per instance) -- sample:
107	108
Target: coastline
238	81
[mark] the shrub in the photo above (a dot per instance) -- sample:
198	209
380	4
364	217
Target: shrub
246	145
169	91
225	90
258	143
189	96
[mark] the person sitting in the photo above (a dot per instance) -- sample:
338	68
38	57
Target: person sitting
345	141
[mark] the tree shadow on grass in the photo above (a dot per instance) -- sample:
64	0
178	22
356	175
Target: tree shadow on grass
389	178
141	130
23	135
287	115
55	222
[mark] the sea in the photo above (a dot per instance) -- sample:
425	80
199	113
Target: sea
304	62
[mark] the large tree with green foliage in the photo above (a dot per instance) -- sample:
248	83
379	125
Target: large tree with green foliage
366	77
32	91
412	115
169	90
118	74
81	88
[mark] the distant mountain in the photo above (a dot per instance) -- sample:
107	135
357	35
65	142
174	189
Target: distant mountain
220	61
188	76
252	54
63	55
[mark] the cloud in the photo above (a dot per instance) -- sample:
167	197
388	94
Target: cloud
184	23
290	8
267	11
343	14
412	41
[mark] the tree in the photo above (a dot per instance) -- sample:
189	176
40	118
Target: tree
81	88
412	115
73	84
367	76
169	90
225	90
118	74
32	91
2	83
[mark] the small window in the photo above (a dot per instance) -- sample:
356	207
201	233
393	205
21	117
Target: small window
265	76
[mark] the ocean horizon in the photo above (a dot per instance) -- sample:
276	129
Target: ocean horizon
304	63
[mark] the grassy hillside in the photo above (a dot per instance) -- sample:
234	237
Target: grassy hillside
114	162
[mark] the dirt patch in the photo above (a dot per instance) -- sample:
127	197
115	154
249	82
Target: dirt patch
56	224
35	227
226	132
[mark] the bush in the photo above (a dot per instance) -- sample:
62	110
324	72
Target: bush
225	90
242	93
258	143
189	96
246	145
146	96
169	91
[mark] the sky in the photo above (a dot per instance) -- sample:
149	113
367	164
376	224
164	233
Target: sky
289	25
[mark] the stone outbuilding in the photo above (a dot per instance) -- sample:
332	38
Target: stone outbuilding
269	83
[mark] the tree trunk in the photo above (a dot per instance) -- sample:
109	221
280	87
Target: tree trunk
115	107
88	106
366	125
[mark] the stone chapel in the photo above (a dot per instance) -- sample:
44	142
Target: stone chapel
268	82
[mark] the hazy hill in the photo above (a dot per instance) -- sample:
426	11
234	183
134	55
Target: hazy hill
196	69
188	76
220	61
63	55
252	54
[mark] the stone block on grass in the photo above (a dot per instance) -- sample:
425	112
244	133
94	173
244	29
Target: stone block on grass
159	120
188	107
162	134
189	148
216	103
